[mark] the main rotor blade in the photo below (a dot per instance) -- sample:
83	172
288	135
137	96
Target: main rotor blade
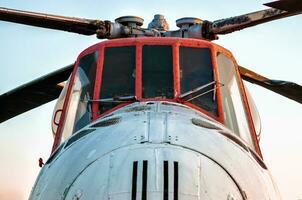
75	25
288	5
33	94
229	25
288	89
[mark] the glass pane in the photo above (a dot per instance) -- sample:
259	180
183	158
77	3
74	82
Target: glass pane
157	72
195	71
79	110
58	108
118	78
86	75
232	102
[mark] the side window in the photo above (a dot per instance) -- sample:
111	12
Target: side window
232	102
118	78
79	110
197	78
254	113
157	72
56	116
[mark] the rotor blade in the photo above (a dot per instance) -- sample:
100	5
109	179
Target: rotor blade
288	5
33	94
288	89
232	24
75	25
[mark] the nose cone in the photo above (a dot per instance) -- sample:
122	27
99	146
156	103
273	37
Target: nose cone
153	172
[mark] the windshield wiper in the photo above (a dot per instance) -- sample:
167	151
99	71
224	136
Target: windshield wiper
182	96
114	99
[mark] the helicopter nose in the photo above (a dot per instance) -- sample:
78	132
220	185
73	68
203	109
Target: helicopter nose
154	172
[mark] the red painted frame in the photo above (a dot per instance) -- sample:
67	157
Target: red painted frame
244	98
139	42
58	135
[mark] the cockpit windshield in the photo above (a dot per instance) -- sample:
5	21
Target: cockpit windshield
112	74
197	78
79	108
157	72
118	76
124	74
152	76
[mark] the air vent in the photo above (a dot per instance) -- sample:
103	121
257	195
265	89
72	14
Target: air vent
175	181
204	124
176	105
144	180
107	122
138	108
166	180
134	181
78	136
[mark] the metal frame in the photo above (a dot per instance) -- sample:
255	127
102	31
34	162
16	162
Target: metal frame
139	43
244	98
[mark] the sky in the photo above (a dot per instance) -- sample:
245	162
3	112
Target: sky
273	49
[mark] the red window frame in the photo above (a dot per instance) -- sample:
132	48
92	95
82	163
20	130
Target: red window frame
139	43
204	44
58	134
244	98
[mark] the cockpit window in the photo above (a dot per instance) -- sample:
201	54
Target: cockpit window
118	77
79	109
86	77
197	78
232	102
157	72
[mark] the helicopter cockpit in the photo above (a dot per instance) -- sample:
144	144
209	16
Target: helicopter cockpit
115	73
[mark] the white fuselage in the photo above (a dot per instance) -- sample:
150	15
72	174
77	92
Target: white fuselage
156	151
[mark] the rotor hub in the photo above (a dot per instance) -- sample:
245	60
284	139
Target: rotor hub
187	22
159	23
131	21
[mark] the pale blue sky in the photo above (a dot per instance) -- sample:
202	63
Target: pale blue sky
273	49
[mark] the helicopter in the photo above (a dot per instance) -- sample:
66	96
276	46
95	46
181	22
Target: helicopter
221	86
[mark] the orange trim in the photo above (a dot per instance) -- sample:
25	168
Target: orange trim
97	85
58	135
139	43
218	89
176	71
64	110
248	112
220	114
138	76
244	99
